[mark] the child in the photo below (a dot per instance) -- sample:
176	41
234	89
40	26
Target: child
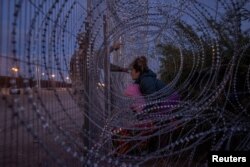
133	91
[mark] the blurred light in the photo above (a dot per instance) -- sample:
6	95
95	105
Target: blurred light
14	69
43	74
53	75
67	78
101	84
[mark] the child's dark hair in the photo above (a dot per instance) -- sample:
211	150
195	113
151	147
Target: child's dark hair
140	64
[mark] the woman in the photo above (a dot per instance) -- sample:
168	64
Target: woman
149	84
145	77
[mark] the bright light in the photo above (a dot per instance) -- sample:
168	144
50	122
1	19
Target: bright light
101	84
43	74
53	75
67	78
14	69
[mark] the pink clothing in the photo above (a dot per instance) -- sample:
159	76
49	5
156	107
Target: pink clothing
133	91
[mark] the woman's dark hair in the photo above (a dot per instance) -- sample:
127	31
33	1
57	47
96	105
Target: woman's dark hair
140	64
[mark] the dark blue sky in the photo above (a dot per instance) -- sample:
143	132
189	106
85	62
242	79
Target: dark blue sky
74	23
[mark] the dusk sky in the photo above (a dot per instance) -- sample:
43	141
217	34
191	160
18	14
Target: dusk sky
72	27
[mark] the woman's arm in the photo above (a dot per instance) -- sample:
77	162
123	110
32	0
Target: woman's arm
115	68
